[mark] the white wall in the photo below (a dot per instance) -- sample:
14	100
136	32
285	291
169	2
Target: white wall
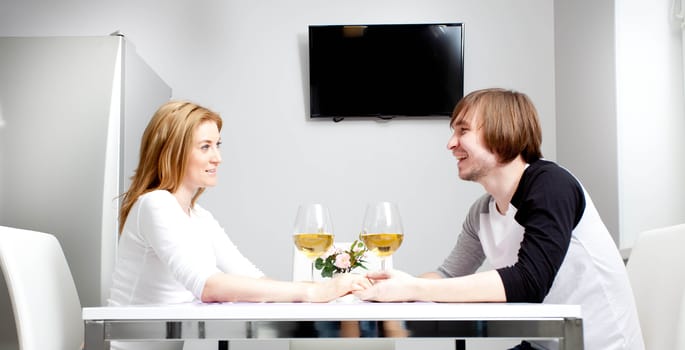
621	109
586	104
248	61
651	117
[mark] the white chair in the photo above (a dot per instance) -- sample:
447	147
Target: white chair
46	306
681	335
654	268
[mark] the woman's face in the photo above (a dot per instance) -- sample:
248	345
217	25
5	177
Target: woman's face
204	157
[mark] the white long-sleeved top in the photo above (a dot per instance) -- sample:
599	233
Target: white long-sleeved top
165	256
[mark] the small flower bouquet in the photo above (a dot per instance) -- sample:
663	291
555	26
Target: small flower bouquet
337	260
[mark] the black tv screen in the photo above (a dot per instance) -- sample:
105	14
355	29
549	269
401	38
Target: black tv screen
385	70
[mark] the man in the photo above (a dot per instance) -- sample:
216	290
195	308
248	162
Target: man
536	226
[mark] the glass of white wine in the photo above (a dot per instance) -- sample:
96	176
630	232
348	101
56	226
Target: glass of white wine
382	231
313	232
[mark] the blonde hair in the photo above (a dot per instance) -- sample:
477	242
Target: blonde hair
164	151
509	120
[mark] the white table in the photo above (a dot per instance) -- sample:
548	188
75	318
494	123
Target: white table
237	321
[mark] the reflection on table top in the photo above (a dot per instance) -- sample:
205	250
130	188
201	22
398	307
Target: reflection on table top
268	321
333	311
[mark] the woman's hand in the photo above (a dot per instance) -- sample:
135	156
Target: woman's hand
338	286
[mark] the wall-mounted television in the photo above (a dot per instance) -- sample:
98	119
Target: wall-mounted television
385	70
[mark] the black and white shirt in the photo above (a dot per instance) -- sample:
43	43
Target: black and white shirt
552	247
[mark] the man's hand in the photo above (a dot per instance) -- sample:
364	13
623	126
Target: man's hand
390	285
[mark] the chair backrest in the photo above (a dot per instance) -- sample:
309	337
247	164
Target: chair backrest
46	306
658	282
302	265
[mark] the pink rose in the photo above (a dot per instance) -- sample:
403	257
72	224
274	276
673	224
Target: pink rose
342	261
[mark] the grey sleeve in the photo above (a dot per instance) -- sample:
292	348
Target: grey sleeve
467	255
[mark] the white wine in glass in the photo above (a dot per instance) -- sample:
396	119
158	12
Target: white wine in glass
313	232
382	231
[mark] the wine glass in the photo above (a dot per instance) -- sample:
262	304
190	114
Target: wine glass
382	230
313	232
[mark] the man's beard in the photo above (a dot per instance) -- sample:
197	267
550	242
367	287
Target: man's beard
474	174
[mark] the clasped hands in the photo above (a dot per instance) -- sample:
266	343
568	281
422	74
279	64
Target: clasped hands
388	285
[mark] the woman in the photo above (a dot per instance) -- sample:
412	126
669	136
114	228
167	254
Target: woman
171	250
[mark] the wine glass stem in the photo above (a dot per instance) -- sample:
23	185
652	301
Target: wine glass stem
382	264
311	271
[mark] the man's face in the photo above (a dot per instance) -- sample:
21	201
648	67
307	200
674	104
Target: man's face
474	159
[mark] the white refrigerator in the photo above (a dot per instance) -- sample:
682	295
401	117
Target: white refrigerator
72	111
